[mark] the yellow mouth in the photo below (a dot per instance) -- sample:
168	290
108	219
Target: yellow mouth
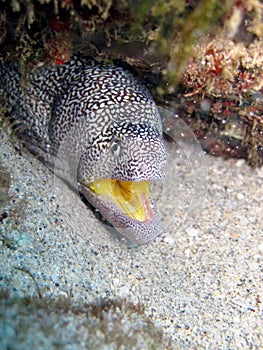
133	198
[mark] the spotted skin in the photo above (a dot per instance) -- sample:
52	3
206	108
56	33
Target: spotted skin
92	121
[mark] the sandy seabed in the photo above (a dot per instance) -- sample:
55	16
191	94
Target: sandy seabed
201	284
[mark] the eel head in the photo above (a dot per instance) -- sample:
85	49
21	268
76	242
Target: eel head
117	180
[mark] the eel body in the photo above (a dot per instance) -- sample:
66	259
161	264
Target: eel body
97	124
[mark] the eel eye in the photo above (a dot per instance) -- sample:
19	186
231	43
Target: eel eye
115	147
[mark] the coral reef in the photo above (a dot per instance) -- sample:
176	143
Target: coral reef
223	80
199	56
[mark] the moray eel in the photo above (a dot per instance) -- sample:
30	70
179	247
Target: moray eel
97	123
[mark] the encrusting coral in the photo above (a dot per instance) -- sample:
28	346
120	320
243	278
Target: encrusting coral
192	54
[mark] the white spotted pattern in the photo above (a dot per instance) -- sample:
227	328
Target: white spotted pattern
99	114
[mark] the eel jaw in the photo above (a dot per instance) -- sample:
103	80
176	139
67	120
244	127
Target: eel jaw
133	198
136	231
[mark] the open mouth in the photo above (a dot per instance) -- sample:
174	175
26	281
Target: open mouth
133	198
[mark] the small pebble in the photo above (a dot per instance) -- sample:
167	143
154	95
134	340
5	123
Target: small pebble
240	163
170	240
240	196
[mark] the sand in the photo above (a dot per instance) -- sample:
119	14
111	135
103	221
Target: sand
200	282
